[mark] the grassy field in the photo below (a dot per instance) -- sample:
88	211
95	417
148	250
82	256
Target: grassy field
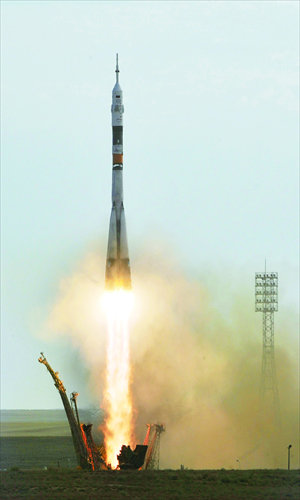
41	422
25	457
68	484
15	429
36	452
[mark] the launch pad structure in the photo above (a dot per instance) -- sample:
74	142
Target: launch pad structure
266	301
152	440
92	457
87	454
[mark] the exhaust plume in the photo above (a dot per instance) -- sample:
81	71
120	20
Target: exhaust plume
195	360
118	429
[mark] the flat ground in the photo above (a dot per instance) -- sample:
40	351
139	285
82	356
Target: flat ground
35	452
15	423
24	458
68	484
33	429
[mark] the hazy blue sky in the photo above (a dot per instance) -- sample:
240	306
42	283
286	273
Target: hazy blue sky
210	151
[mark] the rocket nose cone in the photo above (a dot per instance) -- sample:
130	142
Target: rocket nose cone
117	87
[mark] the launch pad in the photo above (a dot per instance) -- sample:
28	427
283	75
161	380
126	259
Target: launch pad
91	456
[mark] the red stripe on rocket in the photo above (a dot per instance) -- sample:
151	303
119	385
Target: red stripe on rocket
117	275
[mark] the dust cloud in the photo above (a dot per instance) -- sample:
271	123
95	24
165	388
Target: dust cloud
195	368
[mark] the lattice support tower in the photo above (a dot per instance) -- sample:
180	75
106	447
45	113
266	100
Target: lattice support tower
266	301
152	440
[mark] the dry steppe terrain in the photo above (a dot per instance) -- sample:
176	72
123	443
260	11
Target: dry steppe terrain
68	484
29	442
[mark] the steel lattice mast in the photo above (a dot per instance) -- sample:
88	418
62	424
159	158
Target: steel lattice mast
152	440
266	301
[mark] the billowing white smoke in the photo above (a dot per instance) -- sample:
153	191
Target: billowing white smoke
195	362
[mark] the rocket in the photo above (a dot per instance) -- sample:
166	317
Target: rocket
117	275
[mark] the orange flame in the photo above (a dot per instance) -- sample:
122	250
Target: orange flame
117	397
87	447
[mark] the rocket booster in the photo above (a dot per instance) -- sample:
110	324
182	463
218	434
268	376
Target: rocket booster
117	275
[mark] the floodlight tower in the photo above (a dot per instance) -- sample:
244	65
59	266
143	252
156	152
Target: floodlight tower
266	301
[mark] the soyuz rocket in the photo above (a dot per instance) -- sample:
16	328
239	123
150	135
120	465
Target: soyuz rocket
117	275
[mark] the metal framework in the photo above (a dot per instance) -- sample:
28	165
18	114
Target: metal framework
87	454
79	445
152	440
266	301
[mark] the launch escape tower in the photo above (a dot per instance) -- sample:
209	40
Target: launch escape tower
266	301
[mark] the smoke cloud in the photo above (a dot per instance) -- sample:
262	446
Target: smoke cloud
195	362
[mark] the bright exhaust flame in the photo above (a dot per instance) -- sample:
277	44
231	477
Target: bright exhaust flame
117	397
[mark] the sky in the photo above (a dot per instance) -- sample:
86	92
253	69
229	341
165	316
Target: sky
211	158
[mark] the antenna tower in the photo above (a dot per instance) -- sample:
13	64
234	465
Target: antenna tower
266	301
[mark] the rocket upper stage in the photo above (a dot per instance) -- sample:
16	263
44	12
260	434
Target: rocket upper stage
117	110
117	274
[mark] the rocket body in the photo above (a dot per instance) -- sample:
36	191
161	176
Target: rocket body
117	275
